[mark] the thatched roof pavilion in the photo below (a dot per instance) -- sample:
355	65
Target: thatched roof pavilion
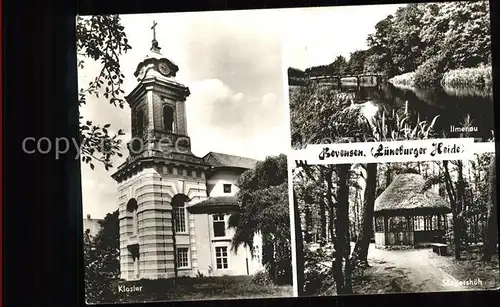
406	192
407	213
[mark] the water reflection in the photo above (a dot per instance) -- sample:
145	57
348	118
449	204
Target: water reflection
452	105
469	91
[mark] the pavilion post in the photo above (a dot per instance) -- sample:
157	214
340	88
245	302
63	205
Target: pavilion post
386	228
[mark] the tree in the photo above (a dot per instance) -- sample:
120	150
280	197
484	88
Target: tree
491	234
441	36
467	39
299	245
371	64
342	246
101	39
454	190
312	110
339	66
407	45
101	261
360	253
356	62
296	76
265	209
380	44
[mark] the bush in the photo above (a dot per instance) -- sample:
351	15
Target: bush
318	275
407	79
476	76
262	278
430	72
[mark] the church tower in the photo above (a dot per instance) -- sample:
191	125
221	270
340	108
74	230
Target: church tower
159	177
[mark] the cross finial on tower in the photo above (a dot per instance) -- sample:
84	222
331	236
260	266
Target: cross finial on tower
154	29
154	46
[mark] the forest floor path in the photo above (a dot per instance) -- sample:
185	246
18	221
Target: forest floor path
417	266
413	270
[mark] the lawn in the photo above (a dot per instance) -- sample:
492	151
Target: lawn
200	288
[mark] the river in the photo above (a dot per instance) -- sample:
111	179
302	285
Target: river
452	105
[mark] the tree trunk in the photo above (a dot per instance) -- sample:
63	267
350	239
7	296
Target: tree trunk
355	224
454	209
275	265
388	177
342	280
460	203
308	222
330	203
331	219
322	214
491	236
360	253
299	246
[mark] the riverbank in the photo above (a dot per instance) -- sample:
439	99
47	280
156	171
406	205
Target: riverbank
407	79
478	77
474	77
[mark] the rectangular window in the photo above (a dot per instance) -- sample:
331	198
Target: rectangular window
227	188
182	258
219	225
180	220
434	222
419	223
221	257
427	225
198	174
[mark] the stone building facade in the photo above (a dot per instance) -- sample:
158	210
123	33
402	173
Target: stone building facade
173	205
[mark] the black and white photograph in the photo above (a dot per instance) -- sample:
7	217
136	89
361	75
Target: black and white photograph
185	130
397	227
423	69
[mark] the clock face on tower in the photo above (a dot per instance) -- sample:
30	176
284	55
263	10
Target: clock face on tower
164	69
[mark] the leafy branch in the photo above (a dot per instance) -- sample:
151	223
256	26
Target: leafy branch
101	39
98	140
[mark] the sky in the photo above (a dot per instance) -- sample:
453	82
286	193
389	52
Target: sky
325	33
234	64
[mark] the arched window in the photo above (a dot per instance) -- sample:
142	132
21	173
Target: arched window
140	122
168	118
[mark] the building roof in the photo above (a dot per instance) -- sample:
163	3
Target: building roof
406	193
216	159
217	204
